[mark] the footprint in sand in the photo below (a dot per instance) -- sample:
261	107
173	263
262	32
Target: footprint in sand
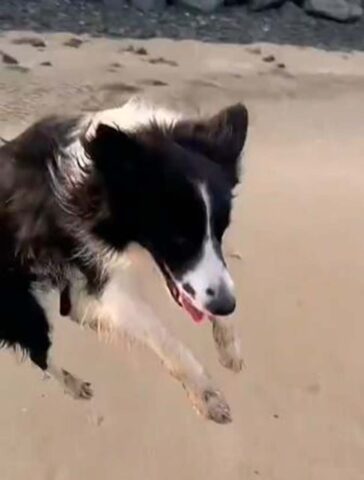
201	82
269	59
314	389
120	87
8	59
154	83
13	63
163	61
254	50
32	41
73	42
19	68
114	67
135	50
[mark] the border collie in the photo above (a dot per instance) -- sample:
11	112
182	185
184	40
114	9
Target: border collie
77	192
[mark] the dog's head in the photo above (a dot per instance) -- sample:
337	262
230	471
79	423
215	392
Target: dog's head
170	189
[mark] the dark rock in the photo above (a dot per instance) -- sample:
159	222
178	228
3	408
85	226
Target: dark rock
256	5
149	5
202	5
47	63
340	10
8	59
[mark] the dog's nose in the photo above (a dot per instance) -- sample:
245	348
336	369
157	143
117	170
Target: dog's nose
222	301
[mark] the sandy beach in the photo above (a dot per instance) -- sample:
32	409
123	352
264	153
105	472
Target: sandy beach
295	250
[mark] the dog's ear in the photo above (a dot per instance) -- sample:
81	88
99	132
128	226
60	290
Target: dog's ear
112	150
221	138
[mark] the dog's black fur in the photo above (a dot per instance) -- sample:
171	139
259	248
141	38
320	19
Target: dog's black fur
136	187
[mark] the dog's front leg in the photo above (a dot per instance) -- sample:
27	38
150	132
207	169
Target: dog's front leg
181	364
120	313
227	343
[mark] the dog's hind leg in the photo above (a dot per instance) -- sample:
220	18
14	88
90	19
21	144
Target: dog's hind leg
24	323
72	385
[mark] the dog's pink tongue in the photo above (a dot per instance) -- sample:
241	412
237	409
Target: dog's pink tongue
196	314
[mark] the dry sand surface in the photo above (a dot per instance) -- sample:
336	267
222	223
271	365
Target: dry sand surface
298	226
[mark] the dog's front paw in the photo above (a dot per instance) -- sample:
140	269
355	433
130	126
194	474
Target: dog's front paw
216	406
231	361
76	387
84	392
211	404
228	347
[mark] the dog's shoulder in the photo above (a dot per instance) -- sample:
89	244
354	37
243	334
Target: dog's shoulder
39	142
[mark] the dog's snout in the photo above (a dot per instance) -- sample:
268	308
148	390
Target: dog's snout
222	301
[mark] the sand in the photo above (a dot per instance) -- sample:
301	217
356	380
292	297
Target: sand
298	227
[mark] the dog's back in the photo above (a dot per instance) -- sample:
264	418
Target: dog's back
27	201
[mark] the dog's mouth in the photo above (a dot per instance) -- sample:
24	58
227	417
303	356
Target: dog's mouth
183	298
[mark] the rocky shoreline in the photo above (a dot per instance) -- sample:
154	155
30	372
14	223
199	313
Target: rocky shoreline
288	24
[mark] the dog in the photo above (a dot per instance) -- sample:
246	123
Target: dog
76	192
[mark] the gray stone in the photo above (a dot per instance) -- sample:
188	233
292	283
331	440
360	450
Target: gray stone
149	5
340	10
256	5
202	5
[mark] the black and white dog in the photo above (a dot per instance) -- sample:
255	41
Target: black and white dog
77	192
